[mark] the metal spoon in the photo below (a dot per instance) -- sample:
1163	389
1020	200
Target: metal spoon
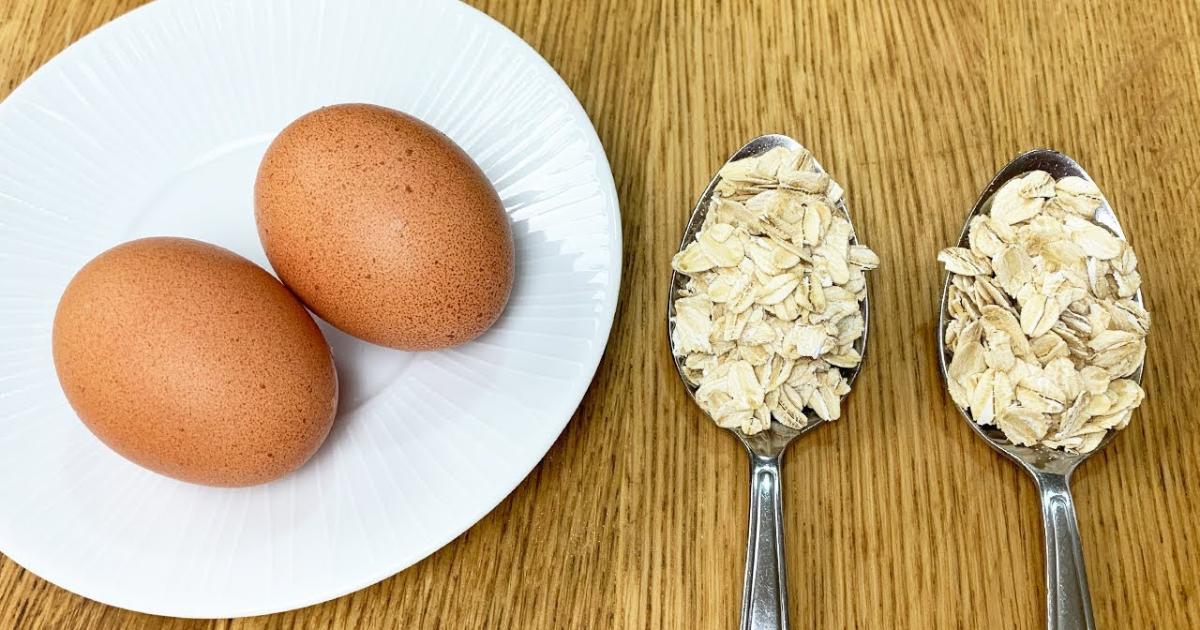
1068	603
764	591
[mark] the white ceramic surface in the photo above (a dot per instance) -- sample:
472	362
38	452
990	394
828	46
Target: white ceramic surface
154	124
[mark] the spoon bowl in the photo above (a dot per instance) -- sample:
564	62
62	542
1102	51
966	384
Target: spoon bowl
1058	165
776	439
764	594
1068	599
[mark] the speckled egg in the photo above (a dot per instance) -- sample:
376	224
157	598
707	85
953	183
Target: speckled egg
194	362
384	227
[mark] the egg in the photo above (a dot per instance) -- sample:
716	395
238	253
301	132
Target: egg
194	362
384	227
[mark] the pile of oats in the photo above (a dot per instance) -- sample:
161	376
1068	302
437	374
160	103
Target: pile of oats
1045	331
771	311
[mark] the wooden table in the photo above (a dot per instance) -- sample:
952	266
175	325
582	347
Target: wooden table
897	516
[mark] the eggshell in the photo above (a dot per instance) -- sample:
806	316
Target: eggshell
194	362
384	227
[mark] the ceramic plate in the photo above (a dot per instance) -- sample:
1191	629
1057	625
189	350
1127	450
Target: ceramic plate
154	125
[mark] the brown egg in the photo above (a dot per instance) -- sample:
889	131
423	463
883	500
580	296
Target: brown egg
384	227
194	362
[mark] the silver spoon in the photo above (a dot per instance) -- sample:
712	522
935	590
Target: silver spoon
1068	602
764	591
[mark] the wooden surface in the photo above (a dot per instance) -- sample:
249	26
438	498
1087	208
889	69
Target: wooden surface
897	516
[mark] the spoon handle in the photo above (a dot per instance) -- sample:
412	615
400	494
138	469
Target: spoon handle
1068	603
764	593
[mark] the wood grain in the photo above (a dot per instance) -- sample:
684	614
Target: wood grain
898	516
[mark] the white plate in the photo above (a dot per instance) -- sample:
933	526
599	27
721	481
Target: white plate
154	124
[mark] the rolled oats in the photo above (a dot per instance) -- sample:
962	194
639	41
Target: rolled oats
771	310
1043	334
